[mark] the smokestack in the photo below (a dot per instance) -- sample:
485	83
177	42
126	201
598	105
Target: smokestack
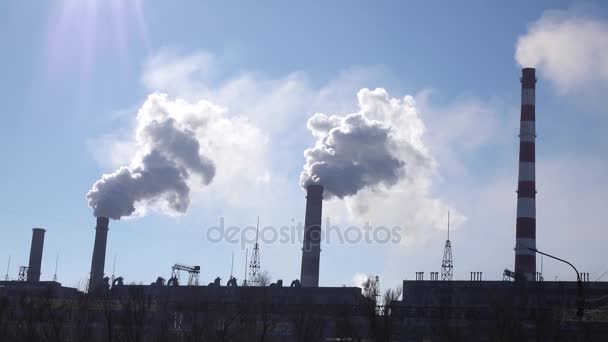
33	270
99	252
525	259
311	251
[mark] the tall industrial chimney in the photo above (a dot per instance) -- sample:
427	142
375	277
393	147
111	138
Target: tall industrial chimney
311	251
99	252
33	270
525	259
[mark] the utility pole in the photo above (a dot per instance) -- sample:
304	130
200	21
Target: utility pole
579	282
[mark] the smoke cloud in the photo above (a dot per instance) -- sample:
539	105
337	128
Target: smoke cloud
169	158
370	149
570	48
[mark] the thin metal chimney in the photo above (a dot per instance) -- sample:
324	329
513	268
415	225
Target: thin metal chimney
525	259
33	271
311	251
99	252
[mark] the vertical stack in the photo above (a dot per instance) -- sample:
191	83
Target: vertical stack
525	259
311	252
33	270
99	252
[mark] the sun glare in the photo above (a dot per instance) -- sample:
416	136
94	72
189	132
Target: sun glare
81	30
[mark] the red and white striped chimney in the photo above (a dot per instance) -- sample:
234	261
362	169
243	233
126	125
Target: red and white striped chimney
525	259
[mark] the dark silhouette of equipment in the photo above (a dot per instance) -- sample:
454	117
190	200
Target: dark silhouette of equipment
118	282
476	276
22	273
101	287
216	282
232	282
173	281
160	281
279	283
508	275
296	283
193	274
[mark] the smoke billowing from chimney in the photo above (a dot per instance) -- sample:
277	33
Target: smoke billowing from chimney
375	147
169	159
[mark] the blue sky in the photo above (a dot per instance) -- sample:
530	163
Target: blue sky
73	85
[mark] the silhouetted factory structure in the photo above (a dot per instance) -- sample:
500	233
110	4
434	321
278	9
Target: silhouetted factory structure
521	307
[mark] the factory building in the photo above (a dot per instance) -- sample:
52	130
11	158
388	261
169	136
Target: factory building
499	310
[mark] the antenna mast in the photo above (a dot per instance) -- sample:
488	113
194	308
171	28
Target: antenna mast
114	268
56	262
447	265
541	278
7	268
232	265
246	258
254	265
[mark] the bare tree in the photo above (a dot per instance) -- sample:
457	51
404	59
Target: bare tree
370	288
389	296
380	309
262	279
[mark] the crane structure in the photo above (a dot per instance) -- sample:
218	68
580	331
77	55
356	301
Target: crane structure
193	273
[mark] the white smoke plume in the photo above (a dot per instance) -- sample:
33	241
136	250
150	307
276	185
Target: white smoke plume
169	158
570	48
373	148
